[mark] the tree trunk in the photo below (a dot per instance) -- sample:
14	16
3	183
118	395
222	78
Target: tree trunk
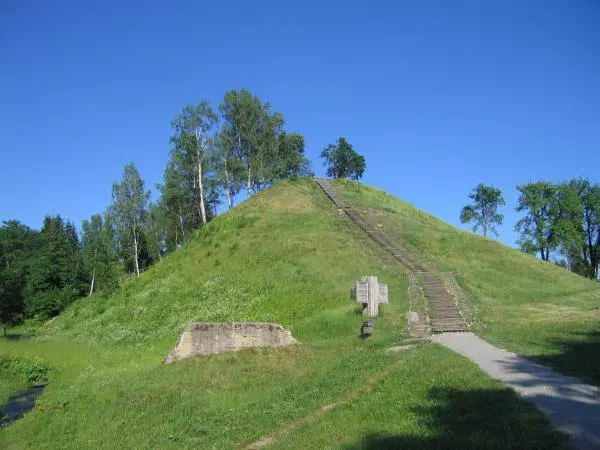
227	190
181	223
93	273
200	185
135	249
484	220
92	283
249	181
156	235
229	199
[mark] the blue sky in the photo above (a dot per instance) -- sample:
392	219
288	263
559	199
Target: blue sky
437	95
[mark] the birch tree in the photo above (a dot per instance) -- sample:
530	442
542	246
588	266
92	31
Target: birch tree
243	119
98	254
128	209
229	169
191	143
179	203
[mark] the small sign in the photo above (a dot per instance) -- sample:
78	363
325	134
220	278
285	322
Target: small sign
362	292
383	294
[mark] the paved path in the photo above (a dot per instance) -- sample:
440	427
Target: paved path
572	407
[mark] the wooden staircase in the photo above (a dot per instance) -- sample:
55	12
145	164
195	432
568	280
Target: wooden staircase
443	312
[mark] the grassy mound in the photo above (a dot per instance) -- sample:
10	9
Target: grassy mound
283	256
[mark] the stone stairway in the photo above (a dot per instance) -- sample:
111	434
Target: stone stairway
443	313
442	309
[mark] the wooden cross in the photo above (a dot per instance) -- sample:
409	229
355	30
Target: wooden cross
370	294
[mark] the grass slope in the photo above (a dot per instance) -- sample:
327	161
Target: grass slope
522	303
283	256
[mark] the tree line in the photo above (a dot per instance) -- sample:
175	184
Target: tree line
215	154
560	220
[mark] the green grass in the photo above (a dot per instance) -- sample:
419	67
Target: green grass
431	399
283	256
522	303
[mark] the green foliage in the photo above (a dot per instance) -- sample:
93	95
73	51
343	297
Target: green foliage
484	209
12	304
18	245
342	161
577	225
31	370
289	159
192	156
252	147
562	217
537	227
127	213
99	254
56	275
255	137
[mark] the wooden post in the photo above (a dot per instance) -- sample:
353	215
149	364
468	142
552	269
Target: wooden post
373	297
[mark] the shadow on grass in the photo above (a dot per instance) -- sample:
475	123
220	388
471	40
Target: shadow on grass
17	335
484	419
580	357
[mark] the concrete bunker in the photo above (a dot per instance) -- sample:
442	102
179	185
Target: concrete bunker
201	339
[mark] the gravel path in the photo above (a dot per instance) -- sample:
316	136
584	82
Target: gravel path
572	406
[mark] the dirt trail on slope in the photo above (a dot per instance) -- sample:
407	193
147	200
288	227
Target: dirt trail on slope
366	386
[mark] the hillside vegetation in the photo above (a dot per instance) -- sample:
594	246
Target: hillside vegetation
283	256
529	306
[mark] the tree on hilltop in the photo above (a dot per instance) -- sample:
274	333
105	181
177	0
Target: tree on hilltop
537	228
254	147
342	161
192	144
577	225
484	209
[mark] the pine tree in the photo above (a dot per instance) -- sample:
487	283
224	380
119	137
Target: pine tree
56	274
18	245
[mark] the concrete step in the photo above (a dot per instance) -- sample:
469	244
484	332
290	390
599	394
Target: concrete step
448	329
441	301
440	309
446	301
446	319
434	311
447	323
444	323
